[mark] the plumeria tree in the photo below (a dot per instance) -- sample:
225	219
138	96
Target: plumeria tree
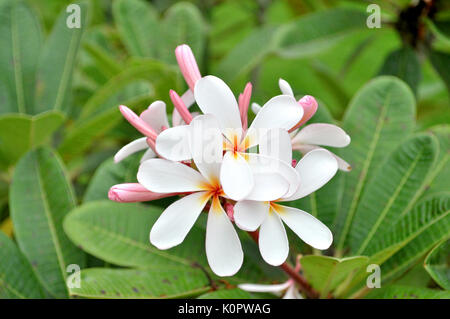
238	149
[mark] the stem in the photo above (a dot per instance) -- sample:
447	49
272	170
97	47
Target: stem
291	272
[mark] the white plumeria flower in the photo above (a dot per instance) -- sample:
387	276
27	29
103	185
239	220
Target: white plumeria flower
223	248
315	169
214	97
312	136
287	289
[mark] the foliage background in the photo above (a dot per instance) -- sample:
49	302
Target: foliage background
60	126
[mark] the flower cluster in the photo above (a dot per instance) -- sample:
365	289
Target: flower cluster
241	174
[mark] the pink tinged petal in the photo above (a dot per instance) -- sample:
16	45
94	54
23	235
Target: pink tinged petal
305	148
173	143
155	116
223	247
188	98
163	176
309	105
281	111
229	208
133	192
311	230
268	187
188	65
235	176
131	148
249	215
256	108
244	102
322	134
273	241
214	97
315	169
265	288
285	87
206	144
149	154
177	220
137	122
180	107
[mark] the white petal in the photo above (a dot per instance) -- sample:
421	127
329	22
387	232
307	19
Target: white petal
265	288
322	134
256	108
188	98
306	148
177	220
173	143
149	154
156	116
273	241
206	144
131	148
311	230
223	247
292	293
276	143
214	97
249	215
285	87
281	111
265	164
268	187
235	176
163	176
316	169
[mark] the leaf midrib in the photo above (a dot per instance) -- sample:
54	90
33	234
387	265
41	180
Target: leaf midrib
18	74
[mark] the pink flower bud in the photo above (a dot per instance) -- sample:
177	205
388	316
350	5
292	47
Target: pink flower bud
188	65
244	102
229	209
133	192
137	122
180	106
309	105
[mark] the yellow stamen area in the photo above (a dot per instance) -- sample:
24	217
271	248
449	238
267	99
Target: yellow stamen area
276	208
212	189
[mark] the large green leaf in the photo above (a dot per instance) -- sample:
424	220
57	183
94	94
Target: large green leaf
378	118
17	277
235	293
57	63
441	63
406	292
40	198
20	43
319	31
437	264
403	63
182	24
22	132
326	273
137	22
142	284
392	191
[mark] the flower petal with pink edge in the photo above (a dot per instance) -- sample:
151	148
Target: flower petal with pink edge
133	192
311	230
273	241
173	143
155	116
309	105
236	176
163	176
322	134
249	214
177	220
131	148
223	247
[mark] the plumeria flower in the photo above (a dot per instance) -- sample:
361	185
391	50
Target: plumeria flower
223	248
315	169
312	136
214	97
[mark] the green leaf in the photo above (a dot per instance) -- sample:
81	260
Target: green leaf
406	292
235	293
404	64
379	117
441	63
326	273
17	278
40	198
393	190
142	284
247	54
20	43
137	22
182	24
437	264
57	63
22	132
319	31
